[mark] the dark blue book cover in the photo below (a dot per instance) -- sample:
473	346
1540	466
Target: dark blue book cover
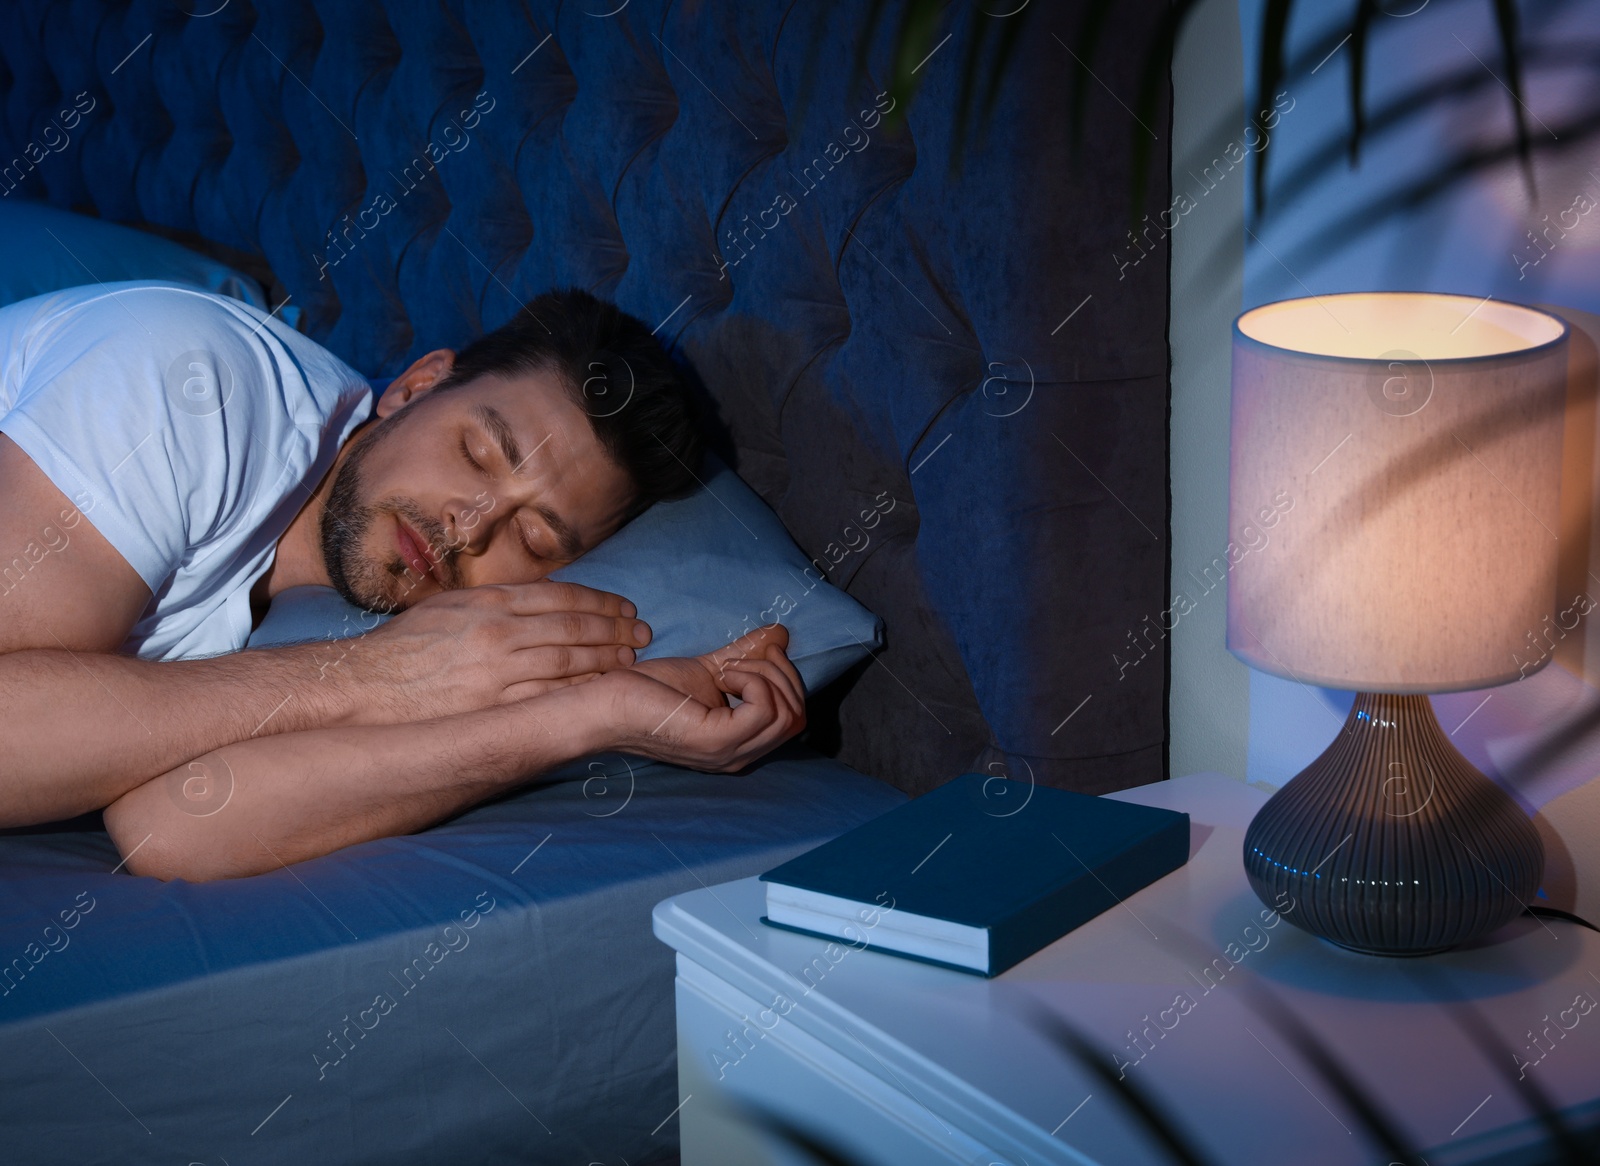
1021	865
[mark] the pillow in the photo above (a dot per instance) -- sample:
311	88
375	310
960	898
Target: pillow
702	570
84	250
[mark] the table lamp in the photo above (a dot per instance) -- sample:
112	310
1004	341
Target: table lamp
1393	490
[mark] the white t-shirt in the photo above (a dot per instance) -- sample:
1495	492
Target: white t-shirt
189	428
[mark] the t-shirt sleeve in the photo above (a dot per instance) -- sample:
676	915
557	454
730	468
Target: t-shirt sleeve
121	426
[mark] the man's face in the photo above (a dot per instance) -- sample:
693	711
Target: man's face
499	480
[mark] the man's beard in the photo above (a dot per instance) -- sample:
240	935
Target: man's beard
373	585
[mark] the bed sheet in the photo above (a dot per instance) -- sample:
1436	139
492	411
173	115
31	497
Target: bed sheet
485	991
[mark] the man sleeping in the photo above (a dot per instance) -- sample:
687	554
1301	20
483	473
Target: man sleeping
170	460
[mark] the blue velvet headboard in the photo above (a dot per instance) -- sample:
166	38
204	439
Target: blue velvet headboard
965	356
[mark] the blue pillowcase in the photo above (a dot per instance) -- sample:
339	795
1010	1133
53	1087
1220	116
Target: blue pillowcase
47	249
702	570
708	568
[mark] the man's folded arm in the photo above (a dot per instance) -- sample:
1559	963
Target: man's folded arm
79	729
259	804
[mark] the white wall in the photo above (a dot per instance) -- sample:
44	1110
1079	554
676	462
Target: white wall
1210	694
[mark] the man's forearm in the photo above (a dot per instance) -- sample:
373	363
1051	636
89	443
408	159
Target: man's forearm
78	729
258	804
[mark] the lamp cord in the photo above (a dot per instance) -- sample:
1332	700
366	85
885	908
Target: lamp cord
1558	913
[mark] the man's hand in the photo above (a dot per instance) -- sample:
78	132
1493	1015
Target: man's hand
675	710
696	676
474	647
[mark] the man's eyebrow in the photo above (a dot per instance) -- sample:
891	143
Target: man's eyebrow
500	429
565	535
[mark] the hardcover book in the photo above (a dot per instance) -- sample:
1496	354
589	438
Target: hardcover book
977	874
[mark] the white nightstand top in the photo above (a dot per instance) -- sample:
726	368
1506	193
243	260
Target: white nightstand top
963	1049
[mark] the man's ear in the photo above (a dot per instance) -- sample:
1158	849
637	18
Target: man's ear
427	372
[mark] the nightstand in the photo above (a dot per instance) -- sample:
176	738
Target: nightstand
891	1061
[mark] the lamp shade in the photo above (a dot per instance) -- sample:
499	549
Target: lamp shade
1393	489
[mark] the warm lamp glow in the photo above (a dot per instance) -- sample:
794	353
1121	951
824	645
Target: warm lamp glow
1395	480
1371	325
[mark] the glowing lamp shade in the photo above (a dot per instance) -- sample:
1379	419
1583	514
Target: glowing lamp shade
1405	448
1393	498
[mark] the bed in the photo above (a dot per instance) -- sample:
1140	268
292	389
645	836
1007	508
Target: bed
868	313
480	986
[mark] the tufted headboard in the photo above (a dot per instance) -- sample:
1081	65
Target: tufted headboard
948	379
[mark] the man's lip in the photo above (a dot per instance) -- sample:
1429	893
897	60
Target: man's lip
416	553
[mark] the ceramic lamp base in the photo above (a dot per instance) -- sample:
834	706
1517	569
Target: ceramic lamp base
1391	842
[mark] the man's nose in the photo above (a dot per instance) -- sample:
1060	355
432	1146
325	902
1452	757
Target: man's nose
466	522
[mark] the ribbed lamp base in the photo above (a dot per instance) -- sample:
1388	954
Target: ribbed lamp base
1391	842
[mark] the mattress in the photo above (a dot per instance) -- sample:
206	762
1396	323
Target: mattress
486	991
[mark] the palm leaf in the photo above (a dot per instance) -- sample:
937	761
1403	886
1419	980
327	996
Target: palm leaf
1372	214
1397	111
869	28
1008	42
1269	71
1365	9
1011	26
968	87
1094	20
1379	1125
1572	1147
1505	13
913	42
1151	1114
814	1147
